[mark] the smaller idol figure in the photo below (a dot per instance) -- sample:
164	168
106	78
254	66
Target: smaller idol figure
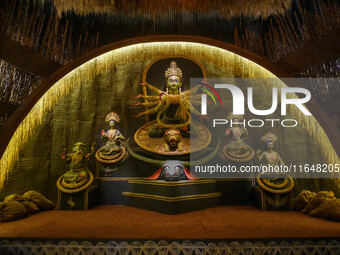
237	150
269	157
114	150
78	177
274	182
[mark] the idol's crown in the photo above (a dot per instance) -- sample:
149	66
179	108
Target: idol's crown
231	116
112	116
173	70
269	137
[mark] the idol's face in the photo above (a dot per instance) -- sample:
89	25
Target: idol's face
77	148
112	123
174	82
270	145
235	122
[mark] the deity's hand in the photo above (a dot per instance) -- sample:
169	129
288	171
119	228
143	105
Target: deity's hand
81	176
63	155
163	98
227	131
103	132
138	115
138	96
135	104
92	150
258	153
183	128
144	83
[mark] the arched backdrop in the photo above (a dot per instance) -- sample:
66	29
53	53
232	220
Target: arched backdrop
72	104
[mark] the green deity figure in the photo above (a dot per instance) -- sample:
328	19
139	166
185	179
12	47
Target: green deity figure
79	176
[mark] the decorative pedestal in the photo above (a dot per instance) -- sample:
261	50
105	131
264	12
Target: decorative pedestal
237	160
174	197
267	201
82	200
109	167
247	158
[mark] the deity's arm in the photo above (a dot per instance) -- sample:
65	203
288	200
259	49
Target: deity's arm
88	155
150	98
227	132
194	111
150	111
104	134
192	90
196	102
159	107
261	156
189	106
245	132
81	175
119	136
280	160
92	148
147	104
152	88
64	156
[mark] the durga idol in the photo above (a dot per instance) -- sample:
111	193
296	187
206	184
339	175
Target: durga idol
172	105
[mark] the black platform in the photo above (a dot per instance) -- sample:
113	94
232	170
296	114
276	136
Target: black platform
174	197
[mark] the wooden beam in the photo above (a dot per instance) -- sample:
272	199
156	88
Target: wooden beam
314	53
25	58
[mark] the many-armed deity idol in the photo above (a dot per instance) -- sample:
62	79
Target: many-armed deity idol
237	150
173	125
79	177
172	105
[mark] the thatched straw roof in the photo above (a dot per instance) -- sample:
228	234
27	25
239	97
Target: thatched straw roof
226	8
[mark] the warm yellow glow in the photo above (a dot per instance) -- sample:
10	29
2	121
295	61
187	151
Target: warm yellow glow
219	58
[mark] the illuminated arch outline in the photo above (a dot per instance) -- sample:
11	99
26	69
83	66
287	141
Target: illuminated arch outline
29	115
